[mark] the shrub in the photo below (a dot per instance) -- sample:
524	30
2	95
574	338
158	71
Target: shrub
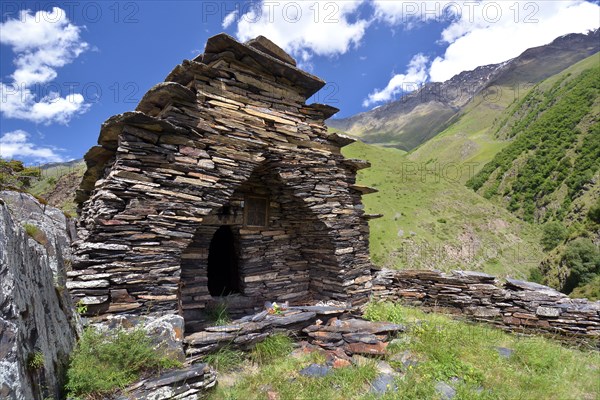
582	258
14	175
594	213
535	275
35	360
105	362
590	290
554	233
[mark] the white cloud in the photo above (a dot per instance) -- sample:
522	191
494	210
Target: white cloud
498	31
229	19
303	28
42	42
22	103
480	33
16	144
416	75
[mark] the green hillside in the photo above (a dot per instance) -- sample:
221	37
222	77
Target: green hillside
532	155
478	134
431	220
57	184
549	173
466	105
554	153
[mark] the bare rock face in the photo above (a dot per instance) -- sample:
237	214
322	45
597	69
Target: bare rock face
37	323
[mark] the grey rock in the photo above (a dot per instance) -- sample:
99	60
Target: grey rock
384	383
547	311
36	313
186	383
505	352
59	230
445	391
316	370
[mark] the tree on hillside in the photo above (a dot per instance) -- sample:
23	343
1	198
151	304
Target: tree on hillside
594	213
582	258
15	175
554	233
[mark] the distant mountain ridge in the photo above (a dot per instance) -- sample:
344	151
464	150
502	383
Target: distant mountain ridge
419	116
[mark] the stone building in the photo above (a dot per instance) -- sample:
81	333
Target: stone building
222	185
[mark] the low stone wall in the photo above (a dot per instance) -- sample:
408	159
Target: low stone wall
515	305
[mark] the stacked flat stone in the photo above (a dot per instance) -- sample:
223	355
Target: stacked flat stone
231	123
515	305
189	383
243	333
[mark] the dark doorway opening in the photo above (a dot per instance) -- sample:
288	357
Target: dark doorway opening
223	273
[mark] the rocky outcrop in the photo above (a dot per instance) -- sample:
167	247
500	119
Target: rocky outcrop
37	323
514	305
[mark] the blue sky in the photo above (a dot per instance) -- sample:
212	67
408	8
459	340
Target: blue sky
65	67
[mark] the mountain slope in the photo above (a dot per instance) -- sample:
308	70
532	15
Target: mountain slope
555	149
475	138
432	221
549	172
58	183
421	115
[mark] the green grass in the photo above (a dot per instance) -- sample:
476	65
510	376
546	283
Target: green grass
539	368
280	375
218	313
431	220
273	347
103	363
225	359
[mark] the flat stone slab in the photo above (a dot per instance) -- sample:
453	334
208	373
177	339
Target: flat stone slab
446	391
384	383
532	286
316	370
356	326
505	352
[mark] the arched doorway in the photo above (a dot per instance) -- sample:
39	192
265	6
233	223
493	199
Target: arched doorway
223	268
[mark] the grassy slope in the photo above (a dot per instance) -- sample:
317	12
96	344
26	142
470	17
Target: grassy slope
58	184
546	140
472	138
434	221
561	201
538	369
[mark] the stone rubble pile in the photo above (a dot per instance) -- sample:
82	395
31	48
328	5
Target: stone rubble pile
343	332
515	305
246	331
184	384
353	336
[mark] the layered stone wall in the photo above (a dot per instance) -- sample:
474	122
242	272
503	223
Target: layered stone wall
230	124
515	304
